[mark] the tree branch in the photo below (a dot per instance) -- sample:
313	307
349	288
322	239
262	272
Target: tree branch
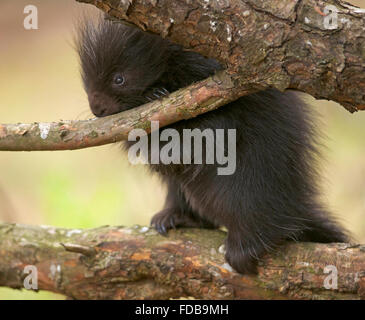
138	263
287	44
186	103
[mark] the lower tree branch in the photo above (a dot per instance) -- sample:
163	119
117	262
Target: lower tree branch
137	263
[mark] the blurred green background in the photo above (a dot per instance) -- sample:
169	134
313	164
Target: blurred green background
39	81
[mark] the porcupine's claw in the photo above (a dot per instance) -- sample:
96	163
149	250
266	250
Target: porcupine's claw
162	92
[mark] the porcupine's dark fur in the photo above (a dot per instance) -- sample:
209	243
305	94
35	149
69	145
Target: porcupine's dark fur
273	194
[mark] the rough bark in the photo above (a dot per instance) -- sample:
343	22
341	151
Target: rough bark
137	263
283	44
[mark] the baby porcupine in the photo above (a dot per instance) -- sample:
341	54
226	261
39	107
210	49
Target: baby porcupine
271	197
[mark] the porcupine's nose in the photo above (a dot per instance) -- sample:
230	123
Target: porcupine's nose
98	110
101	105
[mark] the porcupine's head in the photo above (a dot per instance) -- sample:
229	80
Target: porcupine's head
120	65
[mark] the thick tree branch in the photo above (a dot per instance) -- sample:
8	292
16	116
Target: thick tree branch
137	263
269	43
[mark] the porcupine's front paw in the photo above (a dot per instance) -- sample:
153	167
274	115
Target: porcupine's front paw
164	220
171	218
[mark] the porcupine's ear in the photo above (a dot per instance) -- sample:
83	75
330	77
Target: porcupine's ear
106	45
100	43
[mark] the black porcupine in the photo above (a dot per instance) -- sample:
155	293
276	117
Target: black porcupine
273	194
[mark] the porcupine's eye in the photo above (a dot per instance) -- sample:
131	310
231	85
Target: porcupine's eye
118	80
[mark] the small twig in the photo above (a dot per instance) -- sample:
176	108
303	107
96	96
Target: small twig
84	250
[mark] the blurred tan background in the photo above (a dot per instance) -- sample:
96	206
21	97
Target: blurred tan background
39	81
